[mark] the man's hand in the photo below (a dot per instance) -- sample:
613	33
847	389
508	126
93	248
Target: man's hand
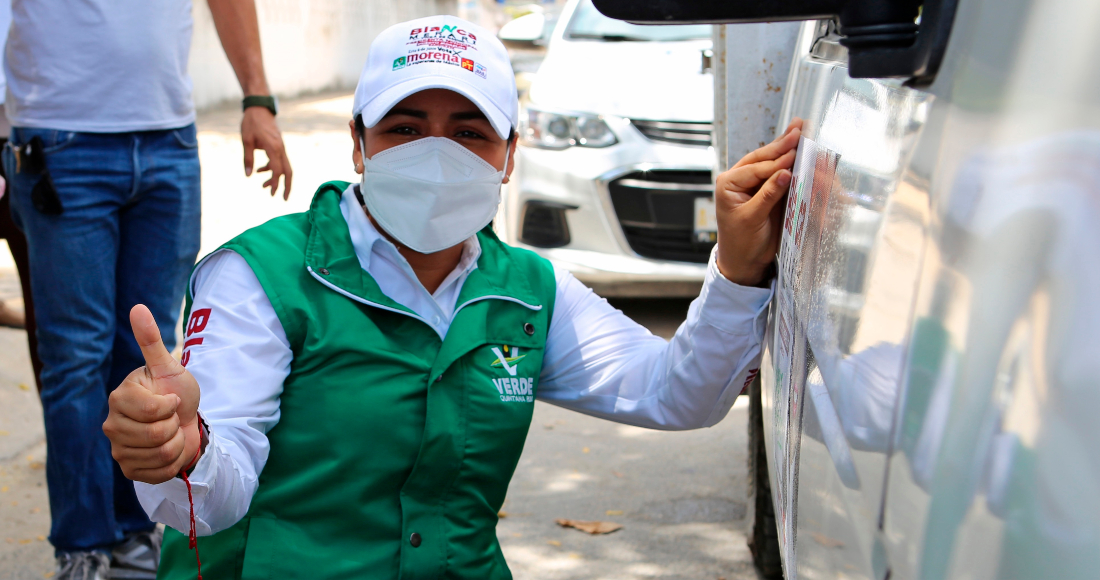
239	30
259	131
153	419
750	215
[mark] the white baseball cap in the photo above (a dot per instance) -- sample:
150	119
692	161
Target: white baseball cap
438	52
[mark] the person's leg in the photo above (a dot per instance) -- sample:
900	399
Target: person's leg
18	246
73	259
159	241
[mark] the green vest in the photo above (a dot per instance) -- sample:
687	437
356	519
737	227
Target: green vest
386	430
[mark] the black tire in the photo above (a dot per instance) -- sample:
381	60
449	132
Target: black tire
764	537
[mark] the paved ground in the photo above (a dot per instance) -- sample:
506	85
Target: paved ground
24	509
679	496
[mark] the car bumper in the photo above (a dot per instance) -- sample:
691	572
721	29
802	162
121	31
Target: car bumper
598	252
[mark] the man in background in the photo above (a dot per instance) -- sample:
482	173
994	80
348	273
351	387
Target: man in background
13	314
103	177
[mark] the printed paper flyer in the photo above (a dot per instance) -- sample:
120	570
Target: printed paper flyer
812	183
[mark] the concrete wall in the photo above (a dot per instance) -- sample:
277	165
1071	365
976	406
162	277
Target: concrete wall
308	45
751	65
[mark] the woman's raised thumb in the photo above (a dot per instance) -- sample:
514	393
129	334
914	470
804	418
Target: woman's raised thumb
157	358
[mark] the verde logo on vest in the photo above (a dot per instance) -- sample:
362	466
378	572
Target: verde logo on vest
512	389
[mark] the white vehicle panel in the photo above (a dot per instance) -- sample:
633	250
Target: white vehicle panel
950	322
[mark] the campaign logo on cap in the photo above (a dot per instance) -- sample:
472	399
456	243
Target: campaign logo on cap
444	44
448	36
438	52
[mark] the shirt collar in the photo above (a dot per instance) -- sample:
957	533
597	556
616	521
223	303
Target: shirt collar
367	240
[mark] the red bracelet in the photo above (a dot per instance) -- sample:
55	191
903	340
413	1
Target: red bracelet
191	465
192	534
203	439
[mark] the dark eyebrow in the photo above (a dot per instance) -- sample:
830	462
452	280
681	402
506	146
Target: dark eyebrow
469	116
407	112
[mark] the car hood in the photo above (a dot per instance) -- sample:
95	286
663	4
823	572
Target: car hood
640	80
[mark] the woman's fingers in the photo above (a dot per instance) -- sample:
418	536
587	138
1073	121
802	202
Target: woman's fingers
127	432
746	178
786	142
761	206
796	123
164	455
152	465
773	150
133	400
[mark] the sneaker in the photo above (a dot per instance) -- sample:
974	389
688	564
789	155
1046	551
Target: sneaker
138	557
83	566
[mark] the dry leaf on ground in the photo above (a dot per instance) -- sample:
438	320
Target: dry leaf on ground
590	527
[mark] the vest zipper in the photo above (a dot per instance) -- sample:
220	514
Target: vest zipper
536	308
340	290
364	300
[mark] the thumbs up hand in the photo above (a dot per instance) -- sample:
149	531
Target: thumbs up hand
153	418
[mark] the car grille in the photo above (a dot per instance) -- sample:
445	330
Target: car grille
656	211
682	133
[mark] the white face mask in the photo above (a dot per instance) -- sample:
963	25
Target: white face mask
432	193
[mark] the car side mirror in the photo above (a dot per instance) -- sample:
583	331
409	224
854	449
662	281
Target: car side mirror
523	32
885	38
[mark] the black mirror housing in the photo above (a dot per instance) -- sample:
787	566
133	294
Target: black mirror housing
882	36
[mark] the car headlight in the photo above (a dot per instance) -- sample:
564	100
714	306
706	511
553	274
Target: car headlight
560	131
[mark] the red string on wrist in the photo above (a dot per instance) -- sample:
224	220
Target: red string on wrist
192	537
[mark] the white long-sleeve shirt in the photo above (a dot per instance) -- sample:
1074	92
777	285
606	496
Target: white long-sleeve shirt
596	361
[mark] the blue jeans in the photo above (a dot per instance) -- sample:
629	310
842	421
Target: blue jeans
128	234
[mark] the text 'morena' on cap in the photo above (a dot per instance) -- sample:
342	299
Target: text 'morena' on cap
438	52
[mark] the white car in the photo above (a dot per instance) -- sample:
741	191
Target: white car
614	159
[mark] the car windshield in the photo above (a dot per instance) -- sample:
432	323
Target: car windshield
588	24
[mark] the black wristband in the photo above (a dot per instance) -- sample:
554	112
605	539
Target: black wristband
268	102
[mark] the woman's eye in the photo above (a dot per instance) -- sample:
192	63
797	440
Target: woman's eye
403	130
468	135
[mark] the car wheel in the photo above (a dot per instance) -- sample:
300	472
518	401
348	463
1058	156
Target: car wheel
764	536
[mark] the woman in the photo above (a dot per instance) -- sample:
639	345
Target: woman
368	369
